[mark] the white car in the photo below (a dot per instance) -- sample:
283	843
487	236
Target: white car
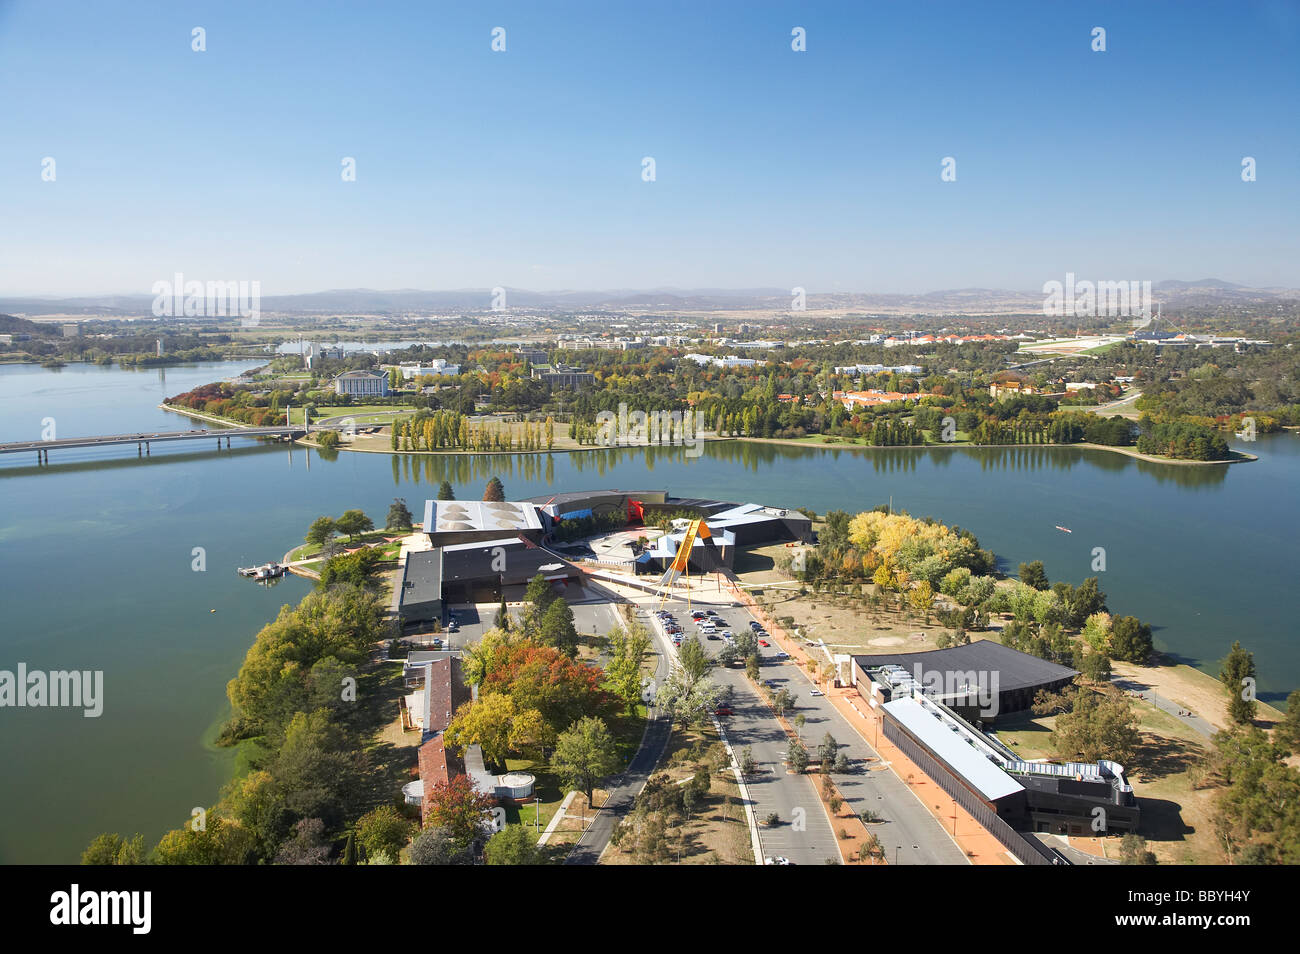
814	692
776	861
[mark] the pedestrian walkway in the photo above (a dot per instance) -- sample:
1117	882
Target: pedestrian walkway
1185	716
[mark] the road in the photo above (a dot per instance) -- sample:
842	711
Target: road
909	833
1123	407
803	834
626	787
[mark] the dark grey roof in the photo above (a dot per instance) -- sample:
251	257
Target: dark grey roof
424	572
1016	670
469	564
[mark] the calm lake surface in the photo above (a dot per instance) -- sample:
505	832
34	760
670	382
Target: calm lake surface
97	564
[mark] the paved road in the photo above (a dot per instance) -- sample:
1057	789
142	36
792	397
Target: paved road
909	833
627	786
803	835
1187	718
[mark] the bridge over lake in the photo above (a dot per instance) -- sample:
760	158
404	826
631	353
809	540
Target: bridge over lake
142	440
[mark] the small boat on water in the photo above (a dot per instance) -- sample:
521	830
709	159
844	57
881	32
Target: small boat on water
1064	529
267	571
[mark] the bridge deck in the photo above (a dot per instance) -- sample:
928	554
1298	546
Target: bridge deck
146	437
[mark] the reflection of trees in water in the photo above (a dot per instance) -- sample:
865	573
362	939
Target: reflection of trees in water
1022	457
473	469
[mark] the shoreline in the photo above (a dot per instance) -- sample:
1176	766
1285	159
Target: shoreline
1241	456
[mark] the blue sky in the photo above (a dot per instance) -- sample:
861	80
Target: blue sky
523	168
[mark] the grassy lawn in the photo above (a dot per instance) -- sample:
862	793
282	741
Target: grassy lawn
390	551
391	756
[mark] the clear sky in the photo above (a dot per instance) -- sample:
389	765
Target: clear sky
523	168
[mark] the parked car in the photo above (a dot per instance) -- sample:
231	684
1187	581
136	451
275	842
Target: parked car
814	691
764	642
723	710
755	626
783	655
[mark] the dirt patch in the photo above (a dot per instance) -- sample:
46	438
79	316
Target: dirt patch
717	832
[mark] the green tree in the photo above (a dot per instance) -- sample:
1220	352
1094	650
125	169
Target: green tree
354	568
557	629
512	845
1095	667
353	523
623	673
256	803
113	849
1287	731
218	842
796	757
317	768
445	492
1033	574
693	662
539	595
1130	640
1237	674
399	515
1095	724
383	829
585	754
321	531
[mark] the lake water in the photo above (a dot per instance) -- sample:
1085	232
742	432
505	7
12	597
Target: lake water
97	564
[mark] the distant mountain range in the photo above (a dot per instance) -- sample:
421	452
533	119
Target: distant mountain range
404	301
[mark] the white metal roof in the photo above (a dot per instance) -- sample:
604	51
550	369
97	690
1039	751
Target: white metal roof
952	746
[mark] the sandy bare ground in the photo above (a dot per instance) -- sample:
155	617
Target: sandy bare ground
1191	689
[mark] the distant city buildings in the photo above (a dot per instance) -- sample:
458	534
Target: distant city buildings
606	344
860	369
722	361
1183	340
1001	389
871	398
438	367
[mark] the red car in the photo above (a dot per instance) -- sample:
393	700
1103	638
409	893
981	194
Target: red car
722	711
763	642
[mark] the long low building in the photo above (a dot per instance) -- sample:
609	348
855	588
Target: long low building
981	680
934	706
